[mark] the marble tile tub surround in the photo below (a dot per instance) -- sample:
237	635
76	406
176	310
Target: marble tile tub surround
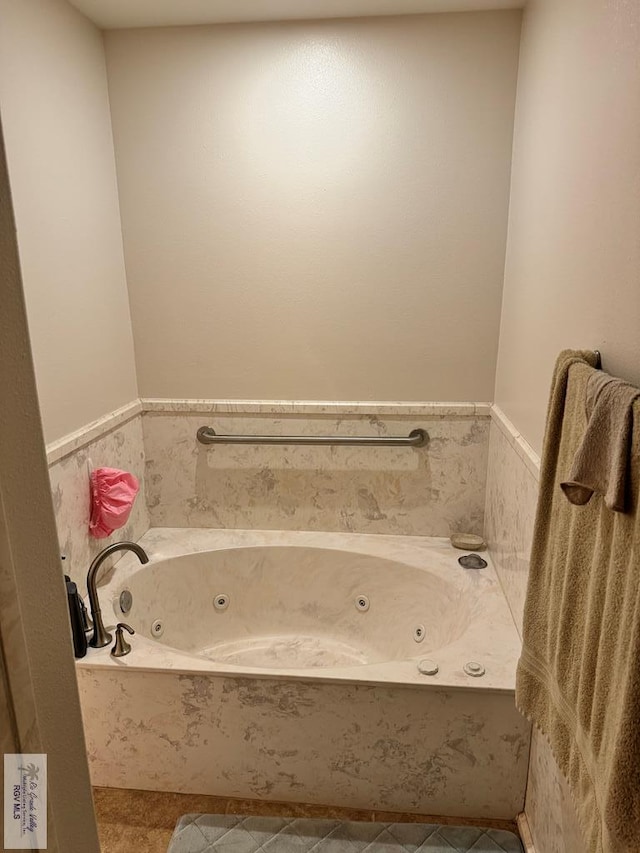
433	491
362	746
549	805
511	496
374	736
115	441
512	488
388	490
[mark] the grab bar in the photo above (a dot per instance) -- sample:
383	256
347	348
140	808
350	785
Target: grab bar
416	438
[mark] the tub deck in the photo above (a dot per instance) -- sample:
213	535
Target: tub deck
490	637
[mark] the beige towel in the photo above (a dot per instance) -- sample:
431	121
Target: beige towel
578	678
601	464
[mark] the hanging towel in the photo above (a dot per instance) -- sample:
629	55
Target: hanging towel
601	463
578	678
112	495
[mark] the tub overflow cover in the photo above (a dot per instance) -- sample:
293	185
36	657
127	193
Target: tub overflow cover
126	601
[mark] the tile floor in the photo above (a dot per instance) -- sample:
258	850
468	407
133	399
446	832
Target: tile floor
143	821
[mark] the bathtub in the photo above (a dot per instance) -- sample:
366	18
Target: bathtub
343	669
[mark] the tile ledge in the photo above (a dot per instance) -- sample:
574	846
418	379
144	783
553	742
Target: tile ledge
68	444
57	450
517	441
400	407
525	833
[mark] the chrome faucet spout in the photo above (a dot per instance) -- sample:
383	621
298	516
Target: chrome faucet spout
102	637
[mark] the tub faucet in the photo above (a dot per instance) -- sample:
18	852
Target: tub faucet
101	637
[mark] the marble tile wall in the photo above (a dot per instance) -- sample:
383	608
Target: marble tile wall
512	485
116	442
430	491
357	745
548	805
512	492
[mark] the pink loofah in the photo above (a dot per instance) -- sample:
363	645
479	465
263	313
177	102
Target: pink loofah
112	495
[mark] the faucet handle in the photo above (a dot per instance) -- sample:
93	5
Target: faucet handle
87	621
121	646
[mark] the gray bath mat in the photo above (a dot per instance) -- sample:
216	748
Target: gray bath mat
212	833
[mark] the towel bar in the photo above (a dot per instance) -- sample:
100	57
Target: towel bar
416	438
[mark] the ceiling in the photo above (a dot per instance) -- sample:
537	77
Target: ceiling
117	14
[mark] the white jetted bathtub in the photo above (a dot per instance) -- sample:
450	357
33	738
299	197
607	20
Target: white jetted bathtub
369	671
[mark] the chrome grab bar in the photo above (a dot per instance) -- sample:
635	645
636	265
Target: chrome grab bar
416	438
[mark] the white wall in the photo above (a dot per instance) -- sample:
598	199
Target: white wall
572	275
573	258
316	210
55	110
